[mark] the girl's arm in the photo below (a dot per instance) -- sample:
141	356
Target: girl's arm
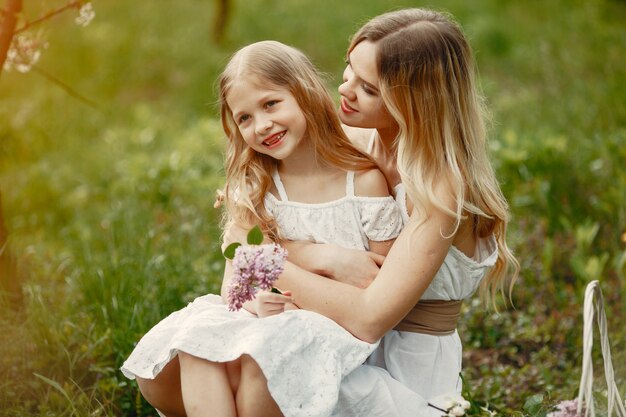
372	183
352	266
409	268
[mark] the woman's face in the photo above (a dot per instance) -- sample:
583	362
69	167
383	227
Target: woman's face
361	103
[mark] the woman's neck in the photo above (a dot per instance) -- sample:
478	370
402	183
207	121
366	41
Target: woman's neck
385	154
388	137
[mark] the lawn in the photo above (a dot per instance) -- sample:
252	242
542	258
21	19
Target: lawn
108	177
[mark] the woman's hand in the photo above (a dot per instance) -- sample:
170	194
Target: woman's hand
267	303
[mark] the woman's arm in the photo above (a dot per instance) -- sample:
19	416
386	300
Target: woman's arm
409	268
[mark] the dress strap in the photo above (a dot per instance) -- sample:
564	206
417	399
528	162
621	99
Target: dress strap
370	144
279	186
350	184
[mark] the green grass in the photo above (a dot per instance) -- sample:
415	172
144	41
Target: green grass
111	209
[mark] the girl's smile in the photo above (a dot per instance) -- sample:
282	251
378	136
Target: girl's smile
274	140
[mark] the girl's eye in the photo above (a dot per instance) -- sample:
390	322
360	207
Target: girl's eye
244	118
271	103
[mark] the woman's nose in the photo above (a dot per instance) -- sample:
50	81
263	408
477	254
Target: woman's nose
346	90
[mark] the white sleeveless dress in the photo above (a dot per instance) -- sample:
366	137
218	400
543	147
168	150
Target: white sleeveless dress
408	370
303	355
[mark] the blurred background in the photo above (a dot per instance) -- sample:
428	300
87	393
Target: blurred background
111	153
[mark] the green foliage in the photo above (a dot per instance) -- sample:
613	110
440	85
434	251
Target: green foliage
110	209
255	236
229	252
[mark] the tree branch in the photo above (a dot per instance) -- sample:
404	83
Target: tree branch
50	14
68	89
7	27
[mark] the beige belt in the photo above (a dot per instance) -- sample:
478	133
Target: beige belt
434	317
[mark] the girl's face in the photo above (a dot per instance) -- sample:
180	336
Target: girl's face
361	103
267	116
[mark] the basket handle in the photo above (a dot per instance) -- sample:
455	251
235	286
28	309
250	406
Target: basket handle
594	306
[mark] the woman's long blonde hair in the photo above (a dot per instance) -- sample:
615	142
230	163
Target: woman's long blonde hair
248	173
427	79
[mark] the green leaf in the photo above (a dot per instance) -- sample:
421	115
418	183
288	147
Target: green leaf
59	388
255	236
229	252
275	290
533	403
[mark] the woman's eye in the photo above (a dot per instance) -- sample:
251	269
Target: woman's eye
368	90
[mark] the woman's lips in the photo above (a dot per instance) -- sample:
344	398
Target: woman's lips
345	108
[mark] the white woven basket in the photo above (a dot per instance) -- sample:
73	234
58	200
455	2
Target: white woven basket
594	307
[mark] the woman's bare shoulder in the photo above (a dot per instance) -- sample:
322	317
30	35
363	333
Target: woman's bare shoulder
358	136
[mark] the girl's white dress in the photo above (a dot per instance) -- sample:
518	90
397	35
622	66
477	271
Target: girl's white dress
303	355
409	370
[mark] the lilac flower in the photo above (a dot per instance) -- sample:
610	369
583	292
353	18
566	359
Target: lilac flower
24	52
565	408
453	405
254	267
85	15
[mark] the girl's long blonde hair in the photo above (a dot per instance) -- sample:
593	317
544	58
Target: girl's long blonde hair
427	79
248	173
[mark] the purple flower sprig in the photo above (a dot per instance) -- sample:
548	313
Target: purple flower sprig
255	266
567	408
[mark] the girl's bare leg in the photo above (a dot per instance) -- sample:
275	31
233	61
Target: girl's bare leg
206	389
163	392
253	398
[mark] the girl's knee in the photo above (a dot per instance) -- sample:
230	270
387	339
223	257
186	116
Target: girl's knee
157	395
250	369
148	388
163	392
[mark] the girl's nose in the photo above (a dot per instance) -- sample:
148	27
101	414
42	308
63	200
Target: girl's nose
263	126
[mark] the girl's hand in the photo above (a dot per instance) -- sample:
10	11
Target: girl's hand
291	306
354	267
350	266
268	303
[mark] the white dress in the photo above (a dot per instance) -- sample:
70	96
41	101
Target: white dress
408	370
303	355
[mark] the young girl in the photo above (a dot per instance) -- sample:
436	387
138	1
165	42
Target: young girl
291	169
410	76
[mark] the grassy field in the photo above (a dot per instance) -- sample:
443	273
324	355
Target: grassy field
110	204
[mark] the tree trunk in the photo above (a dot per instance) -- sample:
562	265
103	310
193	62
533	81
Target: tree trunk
10	283
9	280
7	27
220	21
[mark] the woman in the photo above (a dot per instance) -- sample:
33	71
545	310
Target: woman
410	77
